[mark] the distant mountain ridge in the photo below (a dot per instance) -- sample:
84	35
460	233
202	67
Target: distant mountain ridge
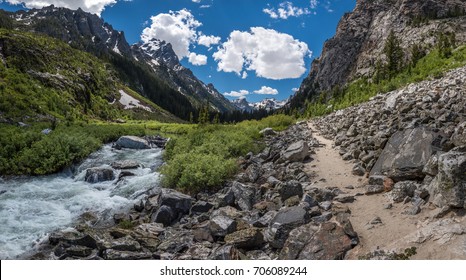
90	33
267	104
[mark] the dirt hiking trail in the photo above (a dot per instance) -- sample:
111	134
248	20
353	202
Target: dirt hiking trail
380	223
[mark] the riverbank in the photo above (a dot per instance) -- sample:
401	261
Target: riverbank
32	207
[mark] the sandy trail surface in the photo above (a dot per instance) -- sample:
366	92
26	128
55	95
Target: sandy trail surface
383	227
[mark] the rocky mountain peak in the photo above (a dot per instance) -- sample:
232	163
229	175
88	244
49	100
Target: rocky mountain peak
242	104
160	51
361	34
76	27
162	59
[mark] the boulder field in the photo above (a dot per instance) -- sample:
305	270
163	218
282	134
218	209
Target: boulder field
366	182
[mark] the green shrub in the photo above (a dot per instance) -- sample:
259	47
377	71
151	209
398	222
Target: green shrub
196	171
27	151
204	157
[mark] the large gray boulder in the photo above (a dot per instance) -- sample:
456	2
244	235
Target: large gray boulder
168	206
132	142
126	164
406	154
99	174
285	221
178	202
297	151
312	242
449	186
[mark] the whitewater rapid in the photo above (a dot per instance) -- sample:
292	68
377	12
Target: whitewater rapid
33	207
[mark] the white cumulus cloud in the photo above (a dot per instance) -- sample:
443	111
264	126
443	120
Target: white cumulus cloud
266	90
271	54
207	41
240	93
91	6
197	59
177	28
286	10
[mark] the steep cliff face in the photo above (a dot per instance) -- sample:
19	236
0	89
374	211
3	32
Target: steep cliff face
361	35
77	28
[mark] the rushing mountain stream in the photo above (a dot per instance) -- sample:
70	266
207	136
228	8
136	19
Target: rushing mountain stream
32	207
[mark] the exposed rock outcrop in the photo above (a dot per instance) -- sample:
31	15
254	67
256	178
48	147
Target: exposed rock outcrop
361	34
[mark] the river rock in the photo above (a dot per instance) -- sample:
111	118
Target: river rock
125	164
286	220
406	154
79	251
132	142
296	152
72	237
449	186
99	174
311	242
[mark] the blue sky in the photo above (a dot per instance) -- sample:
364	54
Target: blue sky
254	48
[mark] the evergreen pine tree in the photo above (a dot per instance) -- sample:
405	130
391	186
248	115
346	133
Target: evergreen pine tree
216	118
394	55
191	117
